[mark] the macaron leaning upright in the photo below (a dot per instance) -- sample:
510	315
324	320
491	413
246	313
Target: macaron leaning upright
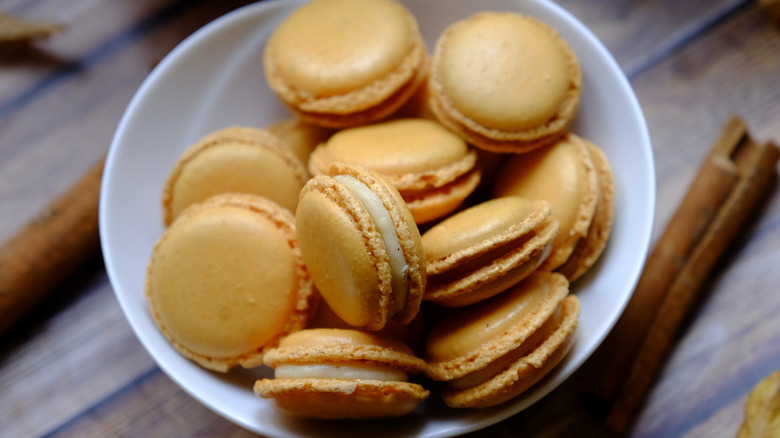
236	159
574	176
342	373
485	249
340	63
493	351
226	281
433	169
504	81
361	246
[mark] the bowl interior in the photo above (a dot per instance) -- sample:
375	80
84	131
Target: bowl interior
215	78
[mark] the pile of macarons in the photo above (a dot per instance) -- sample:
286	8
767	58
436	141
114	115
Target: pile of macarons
412	229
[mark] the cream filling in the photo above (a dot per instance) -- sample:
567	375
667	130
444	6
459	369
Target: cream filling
384	223
353	372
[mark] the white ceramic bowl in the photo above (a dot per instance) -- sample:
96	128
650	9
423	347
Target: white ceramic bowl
215	78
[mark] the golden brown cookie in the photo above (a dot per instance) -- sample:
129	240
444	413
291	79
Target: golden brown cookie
334	373
493	351
564	175
483	250
361	246
506	82
234	160
590	248
433	169
340	63
226	281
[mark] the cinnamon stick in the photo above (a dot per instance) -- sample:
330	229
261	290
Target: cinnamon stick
49	248
728	186
771	7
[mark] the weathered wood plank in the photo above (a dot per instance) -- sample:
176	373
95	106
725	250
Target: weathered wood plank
641	33
58	367
152	406
49	140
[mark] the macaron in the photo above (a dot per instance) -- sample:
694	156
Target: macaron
340	374
300	136
433	169
361	246
485	249
564	175
495	350
235	159
340	63
506	82
590	248
227	280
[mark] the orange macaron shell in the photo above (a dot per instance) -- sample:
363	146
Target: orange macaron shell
226	281
365	281
338	373
340	63
564	175
493	350
235	159
506	82
590	248
433	169
481	251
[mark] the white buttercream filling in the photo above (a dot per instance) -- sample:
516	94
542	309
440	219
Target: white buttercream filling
384	224
354	372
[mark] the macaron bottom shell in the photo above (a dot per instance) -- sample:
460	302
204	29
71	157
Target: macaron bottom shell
342	398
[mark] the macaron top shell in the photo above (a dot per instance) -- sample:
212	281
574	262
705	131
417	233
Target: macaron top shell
518	86
363	249
343	55
564	175
227	280
412	154
334	46
505	81
470	338
342	346
234	160
479	229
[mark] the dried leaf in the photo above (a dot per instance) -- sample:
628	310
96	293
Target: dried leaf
18	29
762	410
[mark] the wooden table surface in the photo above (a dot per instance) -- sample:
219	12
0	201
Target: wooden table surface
73	367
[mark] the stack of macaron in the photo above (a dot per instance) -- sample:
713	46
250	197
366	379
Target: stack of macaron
412	228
